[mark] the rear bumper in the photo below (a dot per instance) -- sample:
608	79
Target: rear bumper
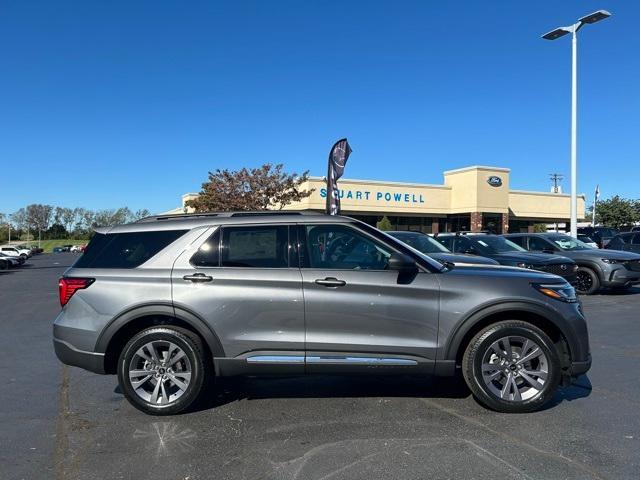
69	355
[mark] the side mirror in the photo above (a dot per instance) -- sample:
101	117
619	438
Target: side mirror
402	263
548	250
470	251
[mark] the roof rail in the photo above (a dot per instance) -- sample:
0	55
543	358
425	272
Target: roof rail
179	216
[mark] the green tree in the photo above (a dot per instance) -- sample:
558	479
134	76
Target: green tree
385	224
614	212
263	188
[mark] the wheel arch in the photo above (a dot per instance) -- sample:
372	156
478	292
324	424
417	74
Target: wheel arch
130	322
535	314
593	265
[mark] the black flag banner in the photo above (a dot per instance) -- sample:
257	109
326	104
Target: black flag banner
337	160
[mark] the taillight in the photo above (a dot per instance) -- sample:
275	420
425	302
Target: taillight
68	286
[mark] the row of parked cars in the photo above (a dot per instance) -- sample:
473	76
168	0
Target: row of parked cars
69	248
588	269
12	256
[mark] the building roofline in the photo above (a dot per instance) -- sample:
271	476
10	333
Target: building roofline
477	167
382	182
550	194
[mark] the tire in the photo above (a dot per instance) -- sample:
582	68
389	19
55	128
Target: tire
520	390
587	281
177	374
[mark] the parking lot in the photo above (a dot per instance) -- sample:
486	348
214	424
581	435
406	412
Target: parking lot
61	422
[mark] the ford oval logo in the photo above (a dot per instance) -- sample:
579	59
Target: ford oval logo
494	181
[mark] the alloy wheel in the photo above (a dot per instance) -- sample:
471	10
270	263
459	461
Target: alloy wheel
515	368
160	372
584	282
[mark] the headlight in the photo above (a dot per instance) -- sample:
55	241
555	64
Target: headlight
612	261
524	265
558	291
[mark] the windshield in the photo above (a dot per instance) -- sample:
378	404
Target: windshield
566	242
422	243
495	244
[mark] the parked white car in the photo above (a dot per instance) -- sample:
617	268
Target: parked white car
587	241
15	251
76	249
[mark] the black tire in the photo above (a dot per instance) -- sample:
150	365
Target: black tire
479	346
587	281
198	362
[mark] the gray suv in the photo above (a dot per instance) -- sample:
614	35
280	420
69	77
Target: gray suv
169	302
596	267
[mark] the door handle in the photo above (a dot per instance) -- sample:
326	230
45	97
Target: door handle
198	277
330	282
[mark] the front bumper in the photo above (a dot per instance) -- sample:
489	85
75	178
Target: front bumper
621	277
69	355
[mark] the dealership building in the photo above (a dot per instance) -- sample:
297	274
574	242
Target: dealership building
472	198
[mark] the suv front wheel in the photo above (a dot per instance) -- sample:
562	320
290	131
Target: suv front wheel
161	370
512	367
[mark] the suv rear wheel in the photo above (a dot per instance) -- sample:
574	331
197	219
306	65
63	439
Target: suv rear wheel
161	370
512	367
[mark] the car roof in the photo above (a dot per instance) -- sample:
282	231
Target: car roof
190	221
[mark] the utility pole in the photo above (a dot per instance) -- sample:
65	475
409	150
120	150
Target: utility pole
556	178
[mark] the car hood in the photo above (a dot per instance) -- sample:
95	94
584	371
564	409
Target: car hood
604	253
463	258
530	257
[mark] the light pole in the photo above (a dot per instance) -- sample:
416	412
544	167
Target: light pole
553	35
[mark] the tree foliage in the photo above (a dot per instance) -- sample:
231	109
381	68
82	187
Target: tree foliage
263	188
385	224
61	222
616	212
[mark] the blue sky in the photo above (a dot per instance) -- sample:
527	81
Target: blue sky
105	104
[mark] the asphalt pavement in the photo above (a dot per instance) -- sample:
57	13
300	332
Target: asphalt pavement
60	422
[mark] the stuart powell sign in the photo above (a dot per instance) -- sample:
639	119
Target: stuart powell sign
377	195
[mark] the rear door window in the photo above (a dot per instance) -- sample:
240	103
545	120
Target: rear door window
538	244
208	255
125	250
255	247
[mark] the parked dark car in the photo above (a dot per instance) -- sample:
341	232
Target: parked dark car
59	249
596	268
627	242
431	247
601	235
508	253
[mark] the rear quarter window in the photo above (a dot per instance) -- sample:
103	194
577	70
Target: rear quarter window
125	250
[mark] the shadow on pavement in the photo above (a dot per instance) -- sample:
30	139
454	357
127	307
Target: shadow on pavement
233	389
580	388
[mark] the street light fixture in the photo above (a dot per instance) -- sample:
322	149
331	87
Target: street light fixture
553	35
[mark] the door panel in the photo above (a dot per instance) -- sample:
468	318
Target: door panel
249	308
353	305
371	313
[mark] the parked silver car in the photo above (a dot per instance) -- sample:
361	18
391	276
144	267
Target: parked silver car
168	302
